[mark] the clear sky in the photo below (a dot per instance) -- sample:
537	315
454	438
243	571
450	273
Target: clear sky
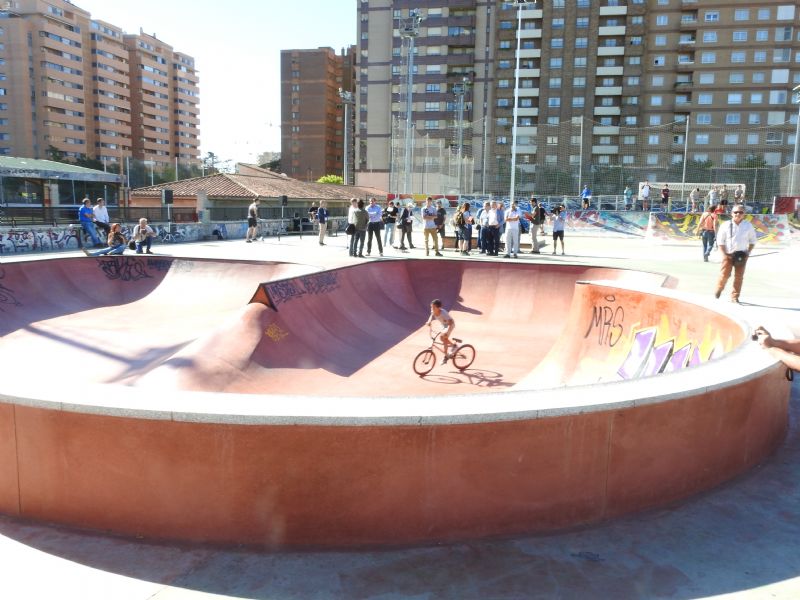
236	46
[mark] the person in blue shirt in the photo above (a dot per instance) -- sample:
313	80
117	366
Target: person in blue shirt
86	219
374	226
322	218
586	195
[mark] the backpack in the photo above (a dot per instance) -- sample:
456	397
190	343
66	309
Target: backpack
458	219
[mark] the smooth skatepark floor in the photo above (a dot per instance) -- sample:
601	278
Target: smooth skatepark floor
738	539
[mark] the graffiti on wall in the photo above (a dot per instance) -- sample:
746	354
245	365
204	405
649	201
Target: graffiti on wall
123	268
770	229
281	292
7	295
638	350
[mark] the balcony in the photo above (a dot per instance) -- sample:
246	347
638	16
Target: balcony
605	130
607	11
609	71
606	111
605	149
528	112
532	13
688	21
611	51
611	30
686	41
684	65
527	34
533	53
527	130
683	85
527	92
611	90
528	72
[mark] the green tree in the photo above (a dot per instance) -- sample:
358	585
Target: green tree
337	179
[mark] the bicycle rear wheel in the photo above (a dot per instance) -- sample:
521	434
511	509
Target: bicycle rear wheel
464	356
424	362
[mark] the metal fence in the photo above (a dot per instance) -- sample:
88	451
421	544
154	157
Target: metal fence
15	216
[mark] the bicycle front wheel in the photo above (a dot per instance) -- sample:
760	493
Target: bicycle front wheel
464	356
424	362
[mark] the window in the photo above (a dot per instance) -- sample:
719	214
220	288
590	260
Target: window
633	80
731	139
662	20
578	102
557	43
501	139
652	139
637	20
503	102
432	124
736	78
783	34
551	159
738	56
754	119
774	137
604	140
502	83
432	87
636	40
709	37
706	78
606	101
734	98
762	35
777	97
503	25
554	102
634	60
580	61
711	16
627	159
556	62
552	140
781	55
703	118
655	119
780	76
701	139
554	82
581	42
552	120
701	158
708	58
759	77
756	98
630	120
655	100
739	36
759	56
652	159
658	61
504	64
705	98
431	106
752	138
558	23
579	82
660	40
582	22
631	100
628	139
741	14
785	13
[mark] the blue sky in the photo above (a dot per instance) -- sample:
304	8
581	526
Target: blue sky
236	46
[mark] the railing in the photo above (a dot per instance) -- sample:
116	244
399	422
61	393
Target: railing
59	215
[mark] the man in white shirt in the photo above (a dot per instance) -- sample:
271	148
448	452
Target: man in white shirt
447	324
735	240
645	195
512	231
101	216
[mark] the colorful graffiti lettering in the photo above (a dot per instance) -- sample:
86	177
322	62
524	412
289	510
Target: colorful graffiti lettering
770	229
284	291
608	321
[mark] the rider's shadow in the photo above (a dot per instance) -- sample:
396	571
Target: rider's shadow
473	377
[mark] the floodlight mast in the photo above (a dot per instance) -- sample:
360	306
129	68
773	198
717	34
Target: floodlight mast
520	4
409	29
347	100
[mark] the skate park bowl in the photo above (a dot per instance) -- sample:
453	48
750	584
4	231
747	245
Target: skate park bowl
275	405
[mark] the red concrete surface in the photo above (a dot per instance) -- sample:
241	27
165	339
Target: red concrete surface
353	331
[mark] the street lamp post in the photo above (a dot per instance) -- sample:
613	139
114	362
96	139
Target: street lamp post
409	28
347	100
520	4
460	90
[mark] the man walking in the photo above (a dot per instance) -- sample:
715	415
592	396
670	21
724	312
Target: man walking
735	240
322	217
406	226
707	228
429	218
375	225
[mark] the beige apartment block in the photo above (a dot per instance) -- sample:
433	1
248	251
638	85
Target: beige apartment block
313	112
83	88
598	85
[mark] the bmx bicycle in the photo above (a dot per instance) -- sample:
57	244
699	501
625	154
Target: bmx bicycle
462	355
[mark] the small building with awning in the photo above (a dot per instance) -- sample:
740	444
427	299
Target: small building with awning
29	183
226	196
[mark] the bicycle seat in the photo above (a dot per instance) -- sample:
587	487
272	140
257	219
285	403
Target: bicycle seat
457	341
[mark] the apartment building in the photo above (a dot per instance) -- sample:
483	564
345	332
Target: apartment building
313	112
600	84
83	88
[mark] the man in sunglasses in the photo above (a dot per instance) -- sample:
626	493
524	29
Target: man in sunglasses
735	240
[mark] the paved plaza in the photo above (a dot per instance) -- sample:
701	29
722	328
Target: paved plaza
740	540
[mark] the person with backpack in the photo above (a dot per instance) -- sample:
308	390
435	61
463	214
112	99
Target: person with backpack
462	221
538	216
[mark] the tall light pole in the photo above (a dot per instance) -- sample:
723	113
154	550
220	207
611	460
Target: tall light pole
347	100
460	90
409	29
520	4
796	158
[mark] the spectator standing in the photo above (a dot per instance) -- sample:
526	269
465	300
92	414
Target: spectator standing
512	230
101	216
252	222
481	225
406	226
429	220
143	235
738	195
389	222
558	219
735	239
501	222
645	195
694	199
586	196
628	194
707	228
441	217
665	197
351	220
463	223
86	219
538	215
116	242
723	197
322	218
492	227
312	212
360	220
374	226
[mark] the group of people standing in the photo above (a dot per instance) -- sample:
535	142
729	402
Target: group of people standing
365	222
